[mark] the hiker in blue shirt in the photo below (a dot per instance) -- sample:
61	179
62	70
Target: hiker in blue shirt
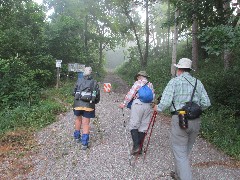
178	91
140	111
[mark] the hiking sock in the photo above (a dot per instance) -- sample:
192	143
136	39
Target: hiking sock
85	139
77	135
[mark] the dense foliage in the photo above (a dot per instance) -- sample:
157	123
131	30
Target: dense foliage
25	67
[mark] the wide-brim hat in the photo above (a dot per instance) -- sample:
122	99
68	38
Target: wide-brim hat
141	73
184	63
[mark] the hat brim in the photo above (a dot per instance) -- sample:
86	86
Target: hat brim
182	67
135	77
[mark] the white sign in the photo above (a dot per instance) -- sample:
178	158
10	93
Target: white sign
76	67
58	63
79	67
71	67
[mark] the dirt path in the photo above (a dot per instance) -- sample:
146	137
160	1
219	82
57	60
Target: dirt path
59	157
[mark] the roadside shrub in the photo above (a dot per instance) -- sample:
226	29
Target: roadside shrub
222	128
22	83
53	102
222	86
37	116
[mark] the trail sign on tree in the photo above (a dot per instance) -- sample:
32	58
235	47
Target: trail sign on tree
58	63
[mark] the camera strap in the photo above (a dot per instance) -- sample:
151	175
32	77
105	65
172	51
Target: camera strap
194	89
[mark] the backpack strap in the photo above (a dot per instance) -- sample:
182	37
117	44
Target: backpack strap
194	88
140	87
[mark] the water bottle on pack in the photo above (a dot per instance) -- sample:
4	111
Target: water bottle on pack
94	93
183	122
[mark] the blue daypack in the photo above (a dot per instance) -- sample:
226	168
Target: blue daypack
145	94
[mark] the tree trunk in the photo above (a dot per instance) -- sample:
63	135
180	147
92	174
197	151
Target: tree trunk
227	54
194	43
145	59
86	36
168	35
175	39
136	36
101	33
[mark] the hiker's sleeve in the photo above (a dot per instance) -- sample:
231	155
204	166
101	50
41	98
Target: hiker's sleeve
95	85
204	100
167	97
132	92
75	89
152	88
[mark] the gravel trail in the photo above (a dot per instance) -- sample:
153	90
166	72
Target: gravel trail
59	157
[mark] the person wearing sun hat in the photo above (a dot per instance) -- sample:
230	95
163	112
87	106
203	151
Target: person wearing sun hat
177	92
141	73
140	111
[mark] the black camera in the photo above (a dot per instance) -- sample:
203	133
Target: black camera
77	95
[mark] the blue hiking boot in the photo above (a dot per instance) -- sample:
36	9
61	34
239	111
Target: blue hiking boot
77	136
85	139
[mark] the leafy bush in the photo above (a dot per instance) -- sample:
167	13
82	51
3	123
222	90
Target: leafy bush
230	38
22	83
222	86
37	116
53	101
222	128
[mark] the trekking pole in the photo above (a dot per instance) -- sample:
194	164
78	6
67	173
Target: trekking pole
125	128
141	145
154	119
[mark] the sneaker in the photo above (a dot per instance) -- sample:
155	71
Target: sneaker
84	147
77	140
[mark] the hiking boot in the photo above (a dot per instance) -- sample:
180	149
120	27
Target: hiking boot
173	175
135	138
141	136
135	151
85	141
77	136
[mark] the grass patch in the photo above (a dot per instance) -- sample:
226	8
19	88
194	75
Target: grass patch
114	86
219	126
18	124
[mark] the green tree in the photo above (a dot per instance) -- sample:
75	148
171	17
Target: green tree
85	27
24	65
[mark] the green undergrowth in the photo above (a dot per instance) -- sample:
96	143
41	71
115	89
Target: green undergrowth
53	102
221	127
